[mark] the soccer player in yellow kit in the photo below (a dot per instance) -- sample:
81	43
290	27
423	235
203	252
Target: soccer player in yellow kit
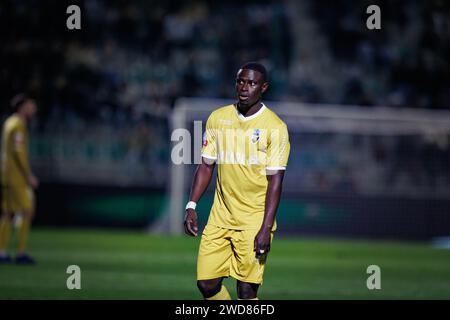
250	144
17	179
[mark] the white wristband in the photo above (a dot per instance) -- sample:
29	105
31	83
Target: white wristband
191	205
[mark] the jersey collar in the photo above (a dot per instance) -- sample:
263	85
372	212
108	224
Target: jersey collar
253	116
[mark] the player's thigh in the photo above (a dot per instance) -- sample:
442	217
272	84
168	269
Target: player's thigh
18	199
10	199
214	253
246	267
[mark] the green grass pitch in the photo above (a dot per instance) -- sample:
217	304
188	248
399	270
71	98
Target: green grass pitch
132	265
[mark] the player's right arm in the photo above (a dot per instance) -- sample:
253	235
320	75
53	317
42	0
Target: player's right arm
202	176
200	183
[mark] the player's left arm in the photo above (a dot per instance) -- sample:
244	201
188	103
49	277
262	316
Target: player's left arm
273	194
20	155
278	154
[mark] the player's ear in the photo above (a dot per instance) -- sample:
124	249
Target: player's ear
264	87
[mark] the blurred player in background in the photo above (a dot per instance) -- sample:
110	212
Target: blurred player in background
238	235
17	179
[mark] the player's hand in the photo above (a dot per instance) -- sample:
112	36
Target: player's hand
190	223
33	181
262	242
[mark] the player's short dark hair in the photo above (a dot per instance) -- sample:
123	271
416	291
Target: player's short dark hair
256	66
18	100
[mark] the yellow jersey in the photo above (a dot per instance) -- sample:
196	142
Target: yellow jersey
15	167
245	150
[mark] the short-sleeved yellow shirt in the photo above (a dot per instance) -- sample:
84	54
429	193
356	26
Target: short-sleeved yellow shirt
15	169
15	163
245	149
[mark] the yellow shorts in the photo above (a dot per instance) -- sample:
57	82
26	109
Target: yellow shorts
226	252
17	199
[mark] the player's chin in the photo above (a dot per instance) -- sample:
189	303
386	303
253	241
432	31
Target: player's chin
244	102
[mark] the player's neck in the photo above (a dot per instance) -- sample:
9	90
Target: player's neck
22	117
251	110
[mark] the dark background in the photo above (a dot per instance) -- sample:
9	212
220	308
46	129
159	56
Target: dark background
101	141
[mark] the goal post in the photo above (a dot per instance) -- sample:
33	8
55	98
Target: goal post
333	148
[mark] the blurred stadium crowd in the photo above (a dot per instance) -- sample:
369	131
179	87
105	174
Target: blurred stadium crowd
105	91
404	65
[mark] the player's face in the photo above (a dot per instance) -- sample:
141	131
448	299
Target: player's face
250	86
30	108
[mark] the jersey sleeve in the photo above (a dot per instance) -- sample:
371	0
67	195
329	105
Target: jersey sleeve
278	148
209	144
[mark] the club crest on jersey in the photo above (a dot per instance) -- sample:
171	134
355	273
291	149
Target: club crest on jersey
255	136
